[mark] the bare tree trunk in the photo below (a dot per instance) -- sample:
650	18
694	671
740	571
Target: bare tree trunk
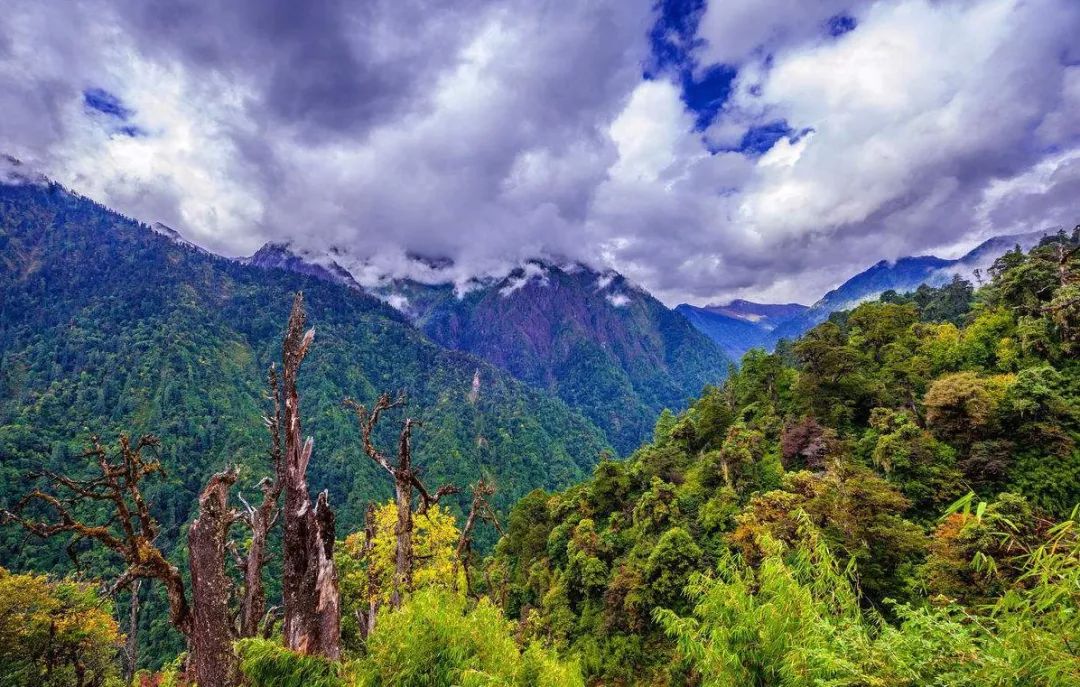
406	483
131	642
403	556
253	605
261	520
480	508
212	633
367	619
310	590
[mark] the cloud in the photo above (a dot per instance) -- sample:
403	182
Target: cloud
910	126
707	150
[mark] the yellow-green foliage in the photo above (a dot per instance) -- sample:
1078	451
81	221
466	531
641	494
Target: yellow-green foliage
438	638
435	536
269	664
794	620
51	630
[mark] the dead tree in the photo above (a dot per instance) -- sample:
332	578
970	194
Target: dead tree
260	520
131	532
310	586
407	484
213	632
479	509
131	639
366	619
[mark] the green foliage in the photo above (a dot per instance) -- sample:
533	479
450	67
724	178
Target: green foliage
437	639
266	663
108	327
54	634
795	620
850	443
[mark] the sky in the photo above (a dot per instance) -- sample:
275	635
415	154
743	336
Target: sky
708	150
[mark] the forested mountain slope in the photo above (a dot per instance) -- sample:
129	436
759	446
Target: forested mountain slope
107	326
870	440
602	344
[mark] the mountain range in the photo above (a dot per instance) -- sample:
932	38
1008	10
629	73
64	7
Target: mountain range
741	325
589	338
607	347
110	325
603	345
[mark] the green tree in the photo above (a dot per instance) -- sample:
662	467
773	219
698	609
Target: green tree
56	634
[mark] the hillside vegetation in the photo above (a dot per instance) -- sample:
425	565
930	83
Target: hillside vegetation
889	500
109	327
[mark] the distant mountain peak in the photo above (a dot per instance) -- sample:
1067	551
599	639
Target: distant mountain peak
14	172
176	237
740	325
766	315
281	255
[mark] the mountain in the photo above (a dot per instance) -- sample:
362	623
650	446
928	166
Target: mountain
283	256
107	325
766	315
903	275
740	325
600	343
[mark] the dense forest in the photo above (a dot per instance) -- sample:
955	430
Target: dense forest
889	500
108	327
604	346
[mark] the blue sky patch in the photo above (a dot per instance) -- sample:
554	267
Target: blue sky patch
758	139
131	131
672	36
841	24
673	40
117	114
106	103
707	94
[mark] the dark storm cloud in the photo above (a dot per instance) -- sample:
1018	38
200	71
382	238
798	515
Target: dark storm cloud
319	65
